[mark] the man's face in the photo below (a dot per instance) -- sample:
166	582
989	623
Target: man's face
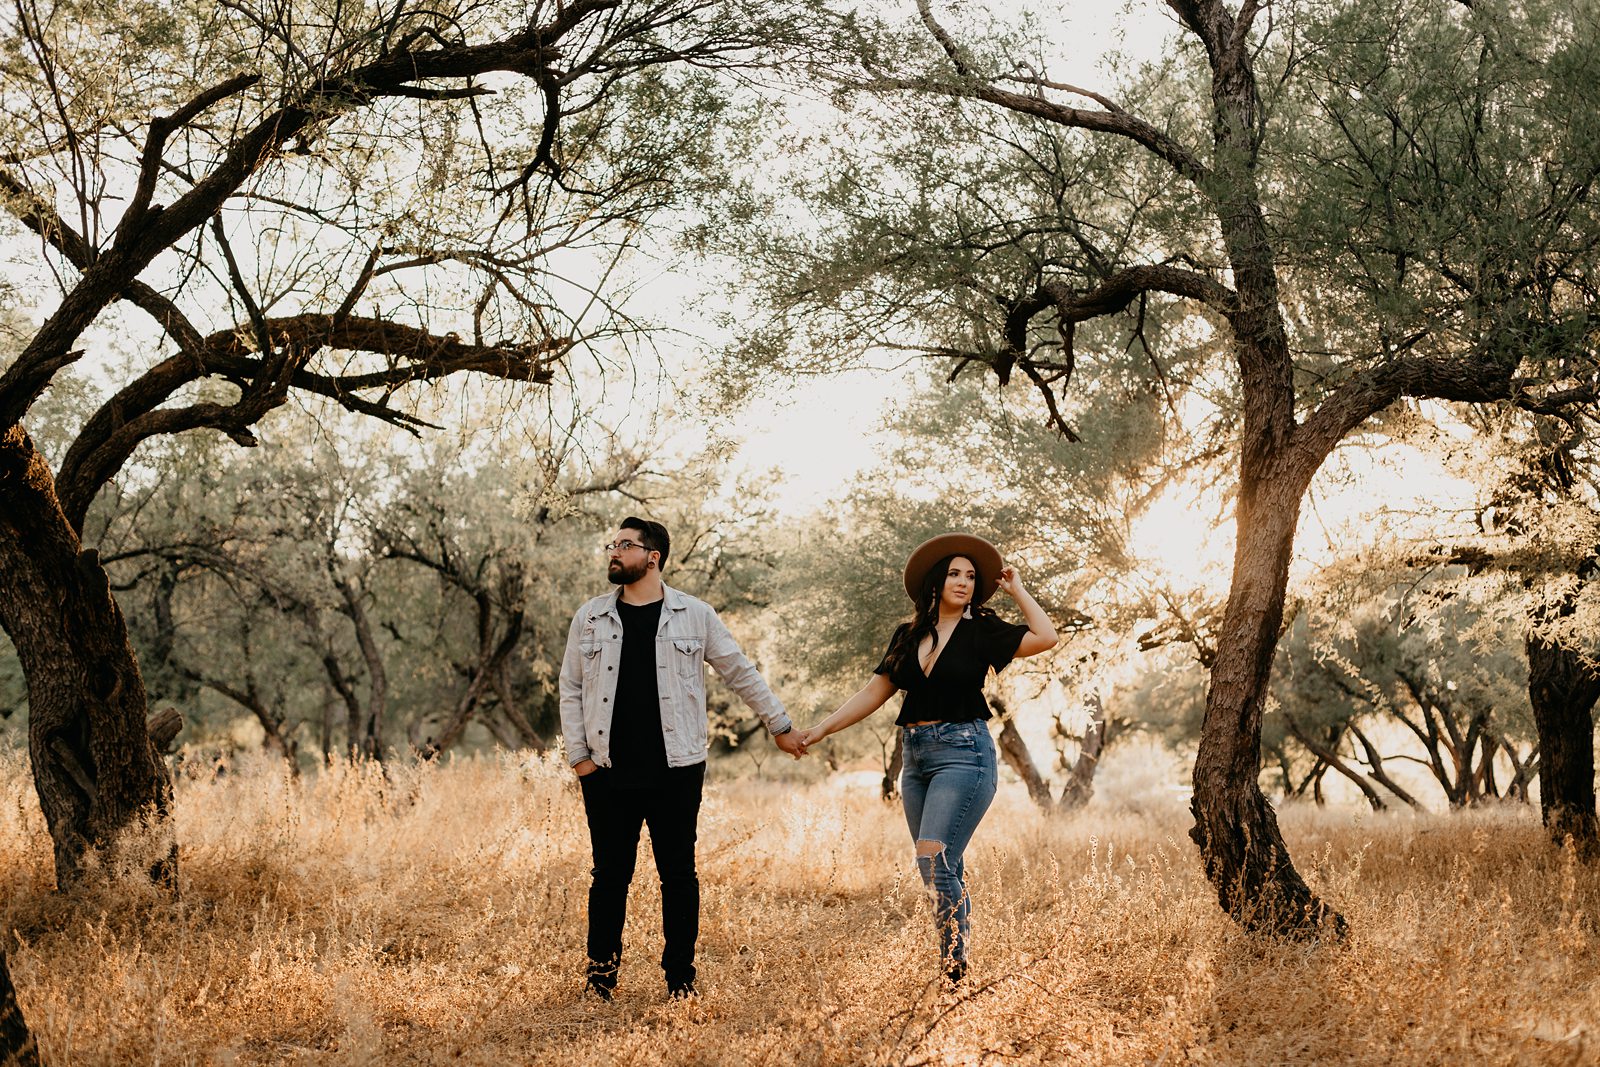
628	565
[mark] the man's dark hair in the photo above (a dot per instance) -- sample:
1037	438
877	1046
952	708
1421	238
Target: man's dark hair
654	535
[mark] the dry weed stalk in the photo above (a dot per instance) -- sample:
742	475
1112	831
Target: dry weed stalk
436	915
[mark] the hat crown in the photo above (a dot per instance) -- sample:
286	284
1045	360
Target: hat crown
985	559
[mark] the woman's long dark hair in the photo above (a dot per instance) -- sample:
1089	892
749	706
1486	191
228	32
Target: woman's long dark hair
925	614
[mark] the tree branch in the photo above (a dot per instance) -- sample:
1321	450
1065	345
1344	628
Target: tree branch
1119	123
1477	377
529	52
134	415
161	128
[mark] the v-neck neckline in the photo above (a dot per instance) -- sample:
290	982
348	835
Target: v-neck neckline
938	653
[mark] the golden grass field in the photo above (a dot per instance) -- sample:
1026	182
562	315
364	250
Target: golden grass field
439	917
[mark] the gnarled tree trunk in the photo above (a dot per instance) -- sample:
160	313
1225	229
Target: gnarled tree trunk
1080	780
17	1048
1563	690
94	767
1014	750
1242	850
894	759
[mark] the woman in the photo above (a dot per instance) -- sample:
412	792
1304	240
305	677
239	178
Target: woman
939	660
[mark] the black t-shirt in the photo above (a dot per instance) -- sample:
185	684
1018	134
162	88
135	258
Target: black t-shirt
954	691
638	747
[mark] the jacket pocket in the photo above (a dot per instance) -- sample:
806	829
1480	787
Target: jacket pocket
690	658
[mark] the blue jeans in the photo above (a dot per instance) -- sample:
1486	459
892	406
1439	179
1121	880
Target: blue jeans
948	783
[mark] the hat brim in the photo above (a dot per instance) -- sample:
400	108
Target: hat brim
984	556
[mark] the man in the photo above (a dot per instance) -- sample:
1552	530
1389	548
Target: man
633	712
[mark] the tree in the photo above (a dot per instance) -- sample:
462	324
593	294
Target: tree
344	205
1538	528
1017	219
16	1043
1426	654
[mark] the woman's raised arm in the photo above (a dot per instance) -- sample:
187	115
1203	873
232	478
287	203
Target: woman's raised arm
868	699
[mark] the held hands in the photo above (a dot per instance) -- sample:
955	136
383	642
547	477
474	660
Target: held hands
793	743
811	736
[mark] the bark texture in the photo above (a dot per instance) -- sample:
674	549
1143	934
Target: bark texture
17	1048
1563	690
1236	829
95	769
1014	750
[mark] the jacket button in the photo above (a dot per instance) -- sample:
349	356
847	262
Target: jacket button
610	668
605	700
599	731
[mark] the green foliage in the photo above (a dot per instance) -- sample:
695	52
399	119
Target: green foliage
1432	165
230	566
913	221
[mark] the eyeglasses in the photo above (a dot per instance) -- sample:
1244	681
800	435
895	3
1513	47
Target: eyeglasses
617	547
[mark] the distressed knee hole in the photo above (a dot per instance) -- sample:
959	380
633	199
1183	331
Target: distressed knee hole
929	849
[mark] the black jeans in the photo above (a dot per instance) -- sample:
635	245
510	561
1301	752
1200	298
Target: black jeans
615	813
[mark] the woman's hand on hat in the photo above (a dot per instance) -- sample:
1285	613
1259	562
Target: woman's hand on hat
1010	581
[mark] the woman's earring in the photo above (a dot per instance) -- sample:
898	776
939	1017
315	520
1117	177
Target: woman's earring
966	612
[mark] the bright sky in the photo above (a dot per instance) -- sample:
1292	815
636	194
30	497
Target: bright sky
820	432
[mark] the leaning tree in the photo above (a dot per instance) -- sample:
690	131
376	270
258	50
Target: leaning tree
1007	221
338	201
260	200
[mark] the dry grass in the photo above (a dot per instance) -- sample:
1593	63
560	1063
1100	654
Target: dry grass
439	917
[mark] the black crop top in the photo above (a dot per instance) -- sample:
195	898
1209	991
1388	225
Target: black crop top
954	691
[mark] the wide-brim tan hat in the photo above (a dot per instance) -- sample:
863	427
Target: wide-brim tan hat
984	556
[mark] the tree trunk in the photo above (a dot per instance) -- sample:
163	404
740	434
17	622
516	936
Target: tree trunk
1080	780
500	729
488	663
1563	690
1241	848
1329	755
94	767
276	735
1490	744
514	714
1313	776
325	736
17	1048
366	734
894	759
1379	775
1014	750
1522	771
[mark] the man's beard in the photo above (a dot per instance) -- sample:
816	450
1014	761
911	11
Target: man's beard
621	574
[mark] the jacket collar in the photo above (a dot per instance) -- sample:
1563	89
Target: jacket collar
671	598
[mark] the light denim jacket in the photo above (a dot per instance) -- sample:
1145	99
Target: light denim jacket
689	636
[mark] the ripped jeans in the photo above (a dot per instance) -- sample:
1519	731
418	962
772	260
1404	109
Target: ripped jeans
948	783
